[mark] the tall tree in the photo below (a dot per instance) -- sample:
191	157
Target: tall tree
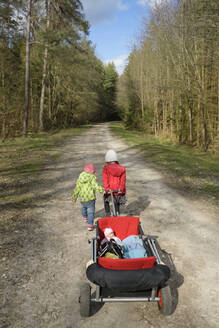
9	68
66	16
27	69
45	59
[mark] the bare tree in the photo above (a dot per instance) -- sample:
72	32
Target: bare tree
27	69
47	4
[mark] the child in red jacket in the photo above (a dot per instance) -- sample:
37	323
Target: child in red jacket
114	178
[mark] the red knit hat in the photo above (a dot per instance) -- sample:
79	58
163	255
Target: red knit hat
89	168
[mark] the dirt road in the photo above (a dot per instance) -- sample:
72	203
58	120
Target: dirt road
40	277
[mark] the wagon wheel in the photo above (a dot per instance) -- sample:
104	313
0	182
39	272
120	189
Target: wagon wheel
165	303
85	300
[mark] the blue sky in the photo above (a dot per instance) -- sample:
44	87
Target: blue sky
115	25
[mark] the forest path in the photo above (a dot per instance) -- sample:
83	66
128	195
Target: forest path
40	285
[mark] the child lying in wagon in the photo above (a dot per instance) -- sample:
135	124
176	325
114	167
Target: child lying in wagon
129	248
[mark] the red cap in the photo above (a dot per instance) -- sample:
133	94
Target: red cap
89	168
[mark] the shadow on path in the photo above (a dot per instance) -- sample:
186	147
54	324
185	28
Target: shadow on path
132	209
135	208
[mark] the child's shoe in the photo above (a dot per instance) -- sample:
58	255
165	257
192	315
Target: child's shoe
90	227
85	220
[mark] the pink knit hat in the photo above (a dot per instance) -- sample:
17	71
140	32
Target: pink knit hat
89	168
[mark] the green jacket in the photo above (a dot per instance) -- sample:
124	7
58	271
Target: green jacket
86	187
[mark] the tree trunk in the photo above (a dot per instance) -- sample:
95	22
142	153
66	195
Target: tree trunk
218	101
198	124
164	108
50	103
44	70
43	89
171	113
190	125
27	72
204	126
142	92
156	118
3	128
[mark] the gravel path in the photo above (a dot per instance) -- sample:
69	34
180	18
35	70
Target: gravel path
40	277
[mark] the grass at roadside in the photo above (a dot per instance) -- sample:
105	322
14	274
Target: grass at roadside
22	158
194	169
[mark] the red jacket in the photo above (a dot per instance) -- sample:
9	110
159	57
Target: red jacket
114	177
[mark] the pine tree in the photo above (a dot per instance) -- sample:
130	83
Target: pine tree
109	85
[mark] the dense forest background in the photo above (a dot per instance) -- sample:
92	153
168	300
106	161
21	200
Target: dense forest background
170	86
51	78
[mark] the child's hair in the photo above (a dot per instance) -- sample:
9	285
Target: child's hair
89	168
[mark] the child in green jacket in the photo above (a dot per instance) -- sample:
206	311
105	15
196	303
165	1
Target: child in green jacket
86	187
